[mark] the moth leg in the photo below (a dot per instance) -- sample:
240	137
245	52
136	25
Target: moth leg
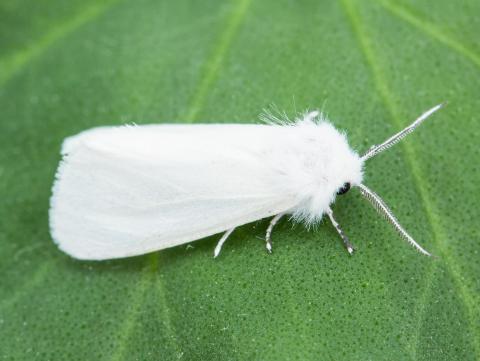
346	242
268	237
220	243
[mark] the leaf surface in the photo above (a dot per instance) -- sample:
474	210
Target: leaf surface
373	66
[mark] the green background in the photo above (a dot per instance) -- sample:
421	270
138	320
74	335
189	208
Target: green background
373	65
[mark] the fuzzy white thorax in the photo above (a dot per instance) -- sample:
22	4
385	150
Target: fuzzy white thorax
315	162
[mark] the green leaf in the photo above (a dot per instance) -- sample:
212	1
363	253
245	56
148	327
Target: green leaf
373	65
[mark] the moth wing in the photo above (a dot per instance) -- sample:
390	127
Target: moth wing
127	191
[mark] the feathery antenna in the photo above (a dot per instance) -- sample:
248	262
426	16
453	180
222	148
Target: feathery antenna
383	209
394	139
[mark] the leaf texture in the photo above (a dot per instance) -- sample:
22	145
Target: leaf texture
373	66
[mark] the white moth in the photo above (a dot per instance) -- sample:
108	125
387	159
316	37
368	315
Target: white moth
130	190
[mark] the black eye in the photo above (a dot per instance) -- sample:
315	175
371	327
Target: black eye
345	188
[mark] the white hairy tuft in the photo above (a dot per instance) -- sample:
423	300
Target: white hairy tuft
315	162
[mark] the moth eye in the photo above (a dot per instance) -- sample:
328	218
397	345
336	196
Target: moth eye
345	188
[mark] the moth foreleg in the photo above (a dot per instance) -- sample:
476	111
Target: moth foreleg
220	243
268	236
346	242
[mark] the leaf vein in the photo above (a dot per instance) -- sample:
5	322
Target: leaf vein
135	307
166	312
431	30
439	235
33	281
213	65
13	63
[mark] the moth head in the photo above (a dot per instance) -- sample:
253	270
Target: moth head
371	196
348	173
